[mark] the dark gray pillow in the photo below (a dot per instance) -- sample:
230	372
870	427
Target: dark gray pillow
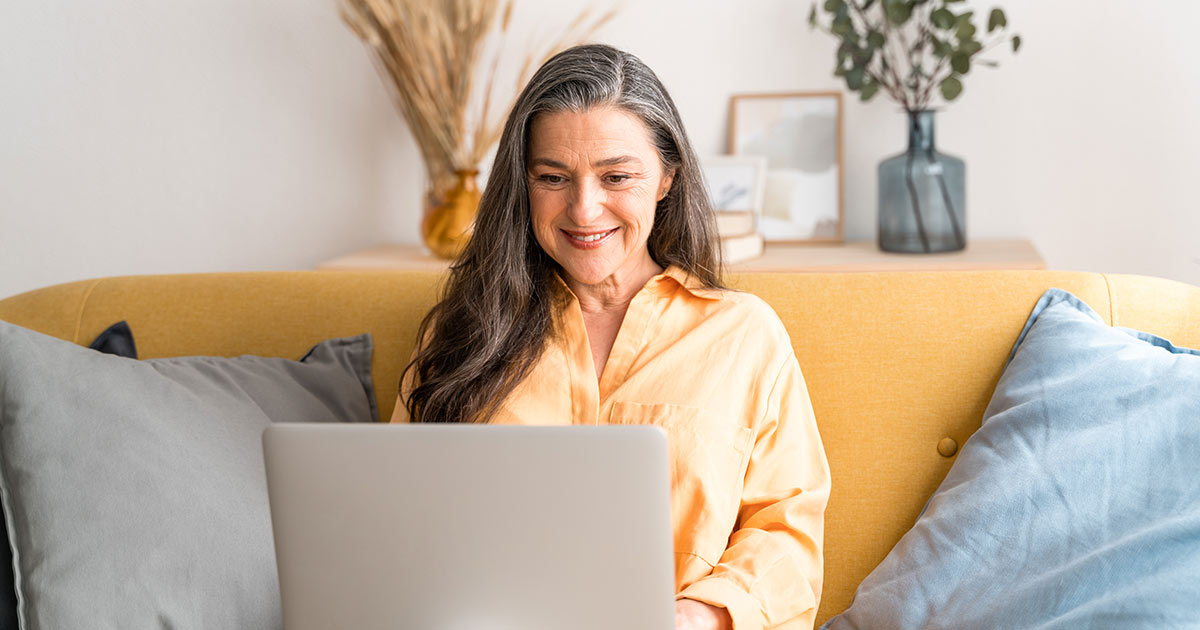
134	491
116	339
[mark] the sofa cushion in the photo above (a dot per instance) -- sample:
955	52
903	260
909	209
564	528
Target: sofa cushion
134	491
1074	505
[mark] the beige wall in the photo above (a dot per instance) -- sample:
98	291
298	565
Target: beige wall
208	135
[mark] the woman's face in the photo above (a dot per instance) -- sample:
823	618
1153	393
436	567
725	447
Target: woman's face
594	180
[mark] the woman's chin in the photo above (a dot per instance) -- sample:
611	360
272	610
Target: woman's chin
607	264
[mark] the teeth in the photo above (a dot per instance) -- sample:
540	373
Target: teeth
590	238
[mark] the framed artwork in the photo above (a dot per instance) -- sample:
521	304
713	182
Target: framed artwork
736	183
800	135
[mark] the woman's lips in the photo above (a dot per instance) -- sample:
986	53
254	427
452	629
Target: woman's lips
588	240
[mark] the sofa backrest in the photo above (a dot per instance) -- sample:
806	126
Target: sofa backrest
900	366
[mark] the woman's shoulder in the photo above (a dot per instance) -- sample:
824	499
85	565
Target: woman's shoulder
751	309
727	299
748	314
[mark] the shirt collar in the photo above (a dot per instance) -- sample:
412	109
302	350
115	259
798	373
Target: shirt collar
693	285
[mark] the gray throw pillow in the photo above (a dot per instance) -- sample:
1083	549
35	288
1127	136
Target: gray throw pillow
118	340
134	491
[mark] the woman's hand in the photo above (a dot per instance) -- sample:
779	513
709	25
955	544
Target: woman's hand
693	615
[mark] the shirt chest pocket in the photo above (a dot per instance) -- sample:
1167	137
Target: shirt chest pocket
708	464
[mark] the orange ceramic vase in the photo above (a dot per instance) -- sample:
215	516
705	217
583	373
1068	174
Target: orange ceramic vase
447	227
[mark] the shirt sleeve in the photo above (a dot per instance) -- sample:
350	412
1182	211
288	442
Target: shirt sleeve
770	574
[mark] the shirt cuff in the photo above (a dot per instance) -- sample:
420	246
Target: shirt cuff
719	592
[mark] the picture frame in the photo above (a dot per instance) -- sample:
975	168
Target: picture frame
800	135
736	183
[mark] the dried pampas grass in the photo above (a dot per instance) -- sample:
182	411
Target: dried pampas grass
431	51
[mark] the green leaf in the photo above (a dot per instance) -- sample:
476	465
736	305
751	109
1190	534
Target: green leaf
832	6
875	39
996	20
812	16
970	48
951	88
960	62
987	62
943	19
941	49
850	49
868	91
856	78
966	31
899	12
863	56
1016	42
843	27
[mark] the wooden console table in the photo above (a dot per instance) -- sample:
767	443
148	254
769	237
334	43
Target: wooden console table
851	256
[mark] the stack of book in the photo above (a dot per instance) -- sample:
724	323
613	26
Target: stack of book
740	239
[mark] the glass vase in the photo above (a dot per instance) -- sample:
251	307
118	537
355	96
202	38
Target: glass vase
922	195
449	221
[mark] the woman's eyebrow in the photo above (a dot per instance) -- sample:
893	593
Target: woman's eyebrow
612	161
620	159
546	162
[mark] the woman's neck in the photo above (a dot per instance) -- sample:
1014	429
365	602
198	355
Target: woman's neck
614	293
604	305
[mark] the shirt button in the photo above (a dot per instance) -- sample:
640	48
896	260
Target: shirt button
947	447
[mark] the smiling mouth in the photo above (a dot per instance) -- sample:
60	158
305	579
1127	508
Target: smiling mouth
589	238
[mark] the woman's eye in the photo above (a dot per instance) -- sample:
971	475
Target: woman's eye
616	179
552	179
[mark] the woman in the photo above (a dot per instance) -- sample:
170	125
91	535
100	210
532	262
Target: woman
590	293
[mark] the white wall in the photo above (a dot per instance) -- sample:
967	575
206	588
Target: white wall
210	135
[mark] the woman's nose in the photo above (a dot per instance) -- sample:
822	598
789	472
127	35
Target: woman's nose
587	204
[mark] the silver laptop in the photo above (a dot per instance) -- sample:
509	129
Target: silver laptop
471	527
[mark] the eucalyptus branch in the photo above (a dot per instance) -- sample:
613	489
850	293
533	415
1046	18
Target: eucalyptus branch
927	94
862	16
907	48
875	75
924	43
900	95
896	90
913	74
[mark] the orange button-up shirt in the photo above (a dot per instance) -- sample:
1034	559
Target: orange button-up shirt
750	481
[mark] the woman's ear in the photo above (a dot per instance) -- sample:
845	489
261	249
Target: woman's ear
664	186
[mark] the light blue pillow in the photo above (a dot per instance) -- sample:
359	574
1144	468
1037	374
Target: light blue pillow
1076	505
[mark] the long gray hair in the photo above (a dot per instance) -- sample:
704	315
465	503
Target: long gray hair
497	308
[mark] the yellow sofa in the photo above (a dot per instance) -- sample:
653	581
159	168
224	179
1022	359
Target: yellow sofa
900	366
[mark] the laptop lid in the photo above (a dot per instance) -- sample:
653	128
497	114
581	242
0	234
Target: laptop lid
471	527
